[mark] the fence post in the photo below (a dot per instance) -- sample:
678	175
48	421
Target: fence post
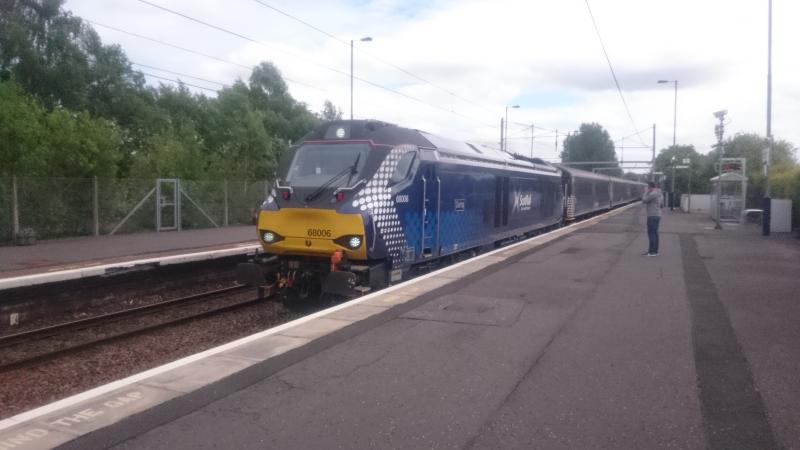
95	208
226	202
15	207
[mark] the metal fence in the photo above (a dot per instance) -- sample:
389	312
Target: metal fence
64	207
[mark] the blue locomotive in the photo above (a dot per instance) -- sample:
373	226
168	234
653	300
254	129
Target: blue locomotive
361	204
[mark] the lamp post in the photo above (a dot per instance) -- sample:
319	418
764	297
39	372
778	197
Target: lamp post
505	140
364	39
674	109
674	127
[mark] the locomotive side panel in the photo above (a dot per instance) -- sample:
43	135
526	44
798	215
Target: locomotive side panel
467	207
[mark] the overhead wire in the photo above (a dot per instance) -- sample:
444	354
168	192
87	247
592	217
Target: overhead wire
332	69
635	134
179	73
611	67
157	41
195	52
178	81
407	72
528	126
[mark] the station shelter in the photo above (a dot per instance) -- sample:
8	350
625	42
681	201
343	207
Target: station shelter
732	197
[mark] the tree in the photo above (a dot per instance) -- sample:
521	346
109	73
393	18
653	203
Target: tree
62	87
331	112
786	184
591	143
698	169
750	146
38	142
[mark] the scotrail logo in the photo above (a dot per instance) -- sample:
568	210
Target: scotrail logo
523	201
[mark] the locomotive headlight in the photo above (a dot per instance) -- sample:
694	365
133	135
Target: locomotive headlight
350	241
270	237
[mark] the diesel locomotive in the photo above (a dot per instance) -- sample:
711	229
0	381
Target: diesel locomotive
360	204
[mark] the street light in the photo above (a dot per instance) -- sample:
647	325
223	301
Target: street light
674	126
364	39
674	109
505	142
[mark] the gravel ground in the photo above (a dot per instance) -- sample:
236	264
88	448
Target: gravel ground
130	293
24	350
27	388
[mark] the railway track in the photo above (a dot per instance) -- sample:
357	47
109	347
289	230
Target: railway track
35	346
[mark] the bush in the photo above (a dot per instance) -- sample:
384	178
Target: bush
786	184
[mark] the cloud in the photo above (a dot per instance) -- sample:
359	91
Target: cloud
543	55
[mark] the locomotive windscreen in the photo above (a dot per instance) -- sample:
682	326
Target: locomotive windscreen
315	164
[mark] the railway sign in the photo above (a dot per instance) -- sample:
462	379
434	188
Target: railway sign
735	165
681	167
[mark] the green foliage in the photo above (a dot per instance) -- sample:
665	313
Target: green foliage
37	142
785	183
331	112
591	143
750	146
704	167
71	106
700	167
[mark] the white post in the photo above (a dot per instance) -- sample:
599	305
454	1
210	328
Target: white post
226	203
95	208
15	207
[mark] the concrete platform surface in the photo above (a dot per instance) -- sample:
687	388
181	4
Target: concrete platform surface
67	254
577	341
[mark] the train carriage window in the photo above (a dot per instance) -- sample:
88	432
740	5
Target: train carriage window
403	168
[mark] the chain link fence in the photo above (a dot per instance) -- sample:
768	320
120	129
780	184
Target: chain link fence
49	208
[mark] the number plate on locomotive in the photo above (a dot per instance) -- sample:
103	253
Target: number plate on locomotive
318	233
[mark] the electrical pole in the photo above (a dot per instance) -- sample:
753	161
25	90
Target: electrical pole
364	39
351	79
766	204
502	141
719	130
562	159
672	189
653	160
531	140
689	202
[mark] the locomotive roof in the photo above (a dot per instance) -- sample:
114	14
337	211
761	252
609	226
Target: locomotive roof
390	134
592	175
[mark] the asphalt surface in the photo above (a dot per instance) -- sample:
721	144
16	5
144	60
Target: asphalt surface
58	254
581	343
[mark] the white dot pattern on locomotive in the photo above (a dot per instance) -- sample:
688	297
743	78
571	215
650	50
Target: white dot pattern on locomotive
376	197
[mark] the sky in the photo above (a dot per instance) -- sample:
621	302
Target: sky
451	67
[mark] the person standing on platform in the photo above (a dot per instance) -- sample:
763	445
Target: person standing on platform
653	200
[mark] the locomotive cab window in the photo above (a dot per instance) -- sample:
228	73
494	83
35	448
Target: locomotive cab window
314	164
403	168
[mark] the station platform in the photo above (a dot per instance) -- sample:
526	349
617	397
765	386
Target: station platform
569	340
61	259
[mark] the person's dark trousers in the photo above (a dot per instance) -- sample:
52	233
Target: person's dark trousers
652	233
